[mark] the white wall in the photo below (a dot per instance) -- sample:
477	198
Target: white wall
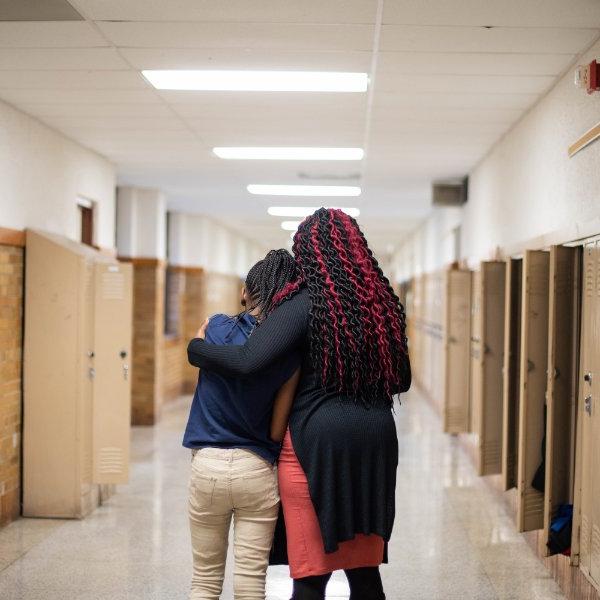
525	187
528	186
141	223
197	241
42	173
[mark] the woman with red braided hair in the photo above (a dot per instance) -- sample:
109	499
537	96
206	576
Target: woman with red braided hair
337	471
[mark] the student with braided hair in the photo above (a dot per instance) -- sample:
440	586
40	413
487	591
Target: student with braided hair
337	469
235	435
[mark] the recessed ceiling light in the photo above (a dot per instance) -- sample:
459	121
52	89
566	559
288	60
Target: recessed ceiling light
290	225
257	81
265	153
304	211
304	190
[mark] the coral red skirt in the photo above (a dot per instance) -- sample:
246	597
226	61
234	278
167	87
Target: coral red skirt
306	553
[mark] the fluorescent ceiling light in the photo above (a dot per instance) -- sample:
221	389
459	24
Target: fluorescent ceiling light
257	81
265	153
290	225
304	190
304	211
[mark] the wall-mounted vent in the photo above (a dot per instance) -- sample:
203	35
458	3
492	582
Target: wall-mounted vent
34	10
451	194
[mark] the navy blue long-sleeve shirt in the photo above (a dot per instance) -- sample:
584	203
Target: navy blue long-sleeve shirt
230	412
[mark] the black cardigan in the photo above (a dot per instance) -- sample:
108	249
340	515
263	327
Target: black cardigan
348	452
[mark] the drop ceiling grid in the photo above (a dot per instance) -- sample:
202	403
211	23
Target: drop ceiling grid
446	89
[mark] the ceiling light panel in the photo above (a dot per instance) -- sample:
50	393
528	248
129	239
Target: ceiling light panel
289	153
304	190
304	211
257	81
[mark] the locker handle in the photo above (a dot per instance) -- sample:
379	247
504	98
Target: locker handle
587	405
588	377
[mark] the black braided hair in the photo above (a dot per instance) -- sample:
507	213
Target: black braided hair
267	278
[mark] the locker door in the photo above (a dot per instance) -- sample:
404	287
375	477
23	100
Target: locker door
561	396
491	347
534	364
476	353
112	388
511	362
457	333
590	417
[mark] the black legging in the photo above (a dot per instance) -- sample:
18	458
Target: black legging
365	584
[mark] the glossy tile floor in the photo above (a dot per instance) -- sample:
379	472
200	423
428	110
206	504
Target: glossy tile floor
453	539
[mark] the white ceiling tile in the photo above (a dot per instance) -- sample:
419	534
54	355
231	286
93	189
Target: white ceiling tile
242	58
464	84
421	115
27	96
269	11
96	110
73	80
127	126
389	103
511	13
274	36
434	63
400	38
57	34
95	59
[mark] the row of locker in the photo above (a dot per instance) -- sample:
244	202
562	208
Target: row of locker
76	384
510	353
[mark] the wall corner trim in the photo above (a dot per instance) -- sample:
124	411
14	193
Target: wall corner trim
12	237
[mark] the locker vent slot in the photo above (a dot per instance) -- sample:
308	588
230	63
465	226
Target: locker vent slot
585	535
113	286
110	460
533	502
595	554
491	454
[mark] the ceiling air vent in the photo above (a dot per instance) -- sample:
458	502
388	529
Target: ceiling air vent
36	10
451	194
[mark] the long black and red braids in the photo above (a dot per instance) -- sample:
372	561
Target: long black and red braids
357	324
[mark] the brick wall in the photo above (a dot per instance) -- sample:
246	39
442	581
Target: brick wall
11	320
148	334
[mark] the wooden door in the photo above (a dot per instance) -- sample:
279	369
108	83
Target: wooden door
488	425
561	397
112	387
457	332
511	371
588	417
534	364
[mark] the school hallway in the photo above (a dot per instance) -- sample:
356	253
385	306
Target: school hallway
453	538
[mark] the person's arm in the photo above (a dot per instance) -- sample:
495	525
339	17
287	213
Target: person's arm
282	331
282	407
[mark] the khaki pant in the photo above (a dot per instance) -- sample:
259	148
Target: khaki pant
227	483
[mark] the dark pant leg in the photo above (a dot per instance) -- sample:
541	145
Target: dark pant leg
365	584
311	588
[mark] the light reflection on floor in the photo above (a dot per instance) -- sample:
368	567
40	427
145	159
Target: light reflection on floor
453	538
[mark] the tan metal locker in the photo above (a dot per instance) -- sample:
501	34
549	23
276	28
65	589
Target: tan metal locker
561	397
457	332
72	404
511	373
588	499
487	347
57	454
112	387
534	363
